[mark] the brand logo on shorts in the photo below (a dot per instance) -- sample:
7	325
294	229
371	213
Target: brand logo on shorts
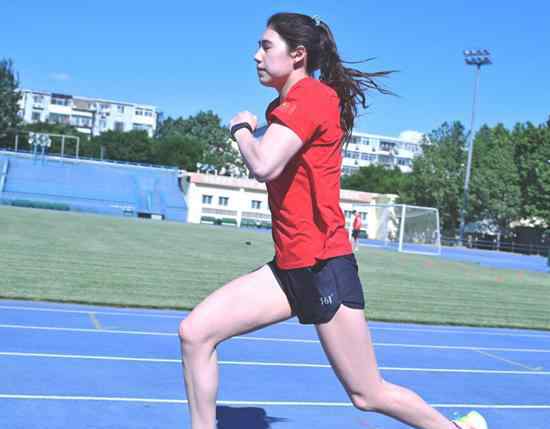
326	300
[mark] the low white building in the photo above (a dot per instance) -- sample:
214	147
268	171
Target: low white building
89	115
370	149
243	202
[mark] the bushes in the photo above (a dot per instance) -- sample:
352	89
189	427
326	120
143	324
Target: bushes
41	205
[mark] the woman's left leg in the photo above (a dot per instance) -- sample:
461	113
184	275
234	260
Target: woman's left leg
347	343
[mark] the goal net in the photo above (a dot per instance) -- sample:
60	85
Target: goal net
402	227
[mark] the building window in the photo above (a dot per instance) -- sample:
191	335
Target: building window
104	106
102	124
384	159
57	118
348	214
349	170
81	121
119	126
60	101
144	127
387	146
139	112
403	161
148	113
120	108
38	99
207	199
36	116
223	201
368	157
256	204
352	154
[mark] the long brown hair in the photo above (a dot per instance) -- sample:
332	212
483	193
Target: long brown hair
315	36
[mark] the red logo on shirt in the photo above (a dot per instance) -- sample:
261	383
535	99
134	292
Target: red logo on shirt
288	107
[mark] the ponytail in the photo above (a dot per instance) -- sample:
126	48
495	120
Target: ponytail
350	84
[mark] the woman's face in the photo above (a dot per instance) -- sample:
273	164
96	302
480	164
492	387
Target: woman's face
273	61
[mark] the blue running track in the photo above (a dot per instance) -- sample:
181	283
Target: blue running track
76	366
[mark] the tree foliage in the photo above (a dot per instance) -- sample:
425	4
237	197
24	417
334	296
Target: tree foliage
181	150
213	140
495	193
438	174
133	146
379	179
9	97
532	156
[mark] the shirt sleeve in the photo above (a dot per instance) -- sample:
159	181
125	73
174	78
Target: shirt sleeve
296	114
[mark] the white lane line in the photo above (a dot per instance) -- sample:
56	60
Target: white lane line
461	332
264	403
474	331
510	361
270	339
106	313
269	364
114	313
103	331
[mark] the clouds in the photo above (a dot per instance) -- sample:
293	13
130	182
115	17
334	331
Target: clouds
59	77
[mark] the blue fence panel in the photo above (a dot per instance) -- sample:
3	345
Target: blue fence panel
93	186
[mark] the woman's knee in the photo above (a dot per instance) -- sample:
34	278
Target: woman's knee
375	399
193	335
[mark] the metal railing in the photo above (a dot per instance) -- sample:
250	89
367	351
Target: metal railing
542	249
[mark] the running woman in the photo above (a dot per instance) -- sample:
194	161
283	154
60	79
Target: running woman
314	274
356	229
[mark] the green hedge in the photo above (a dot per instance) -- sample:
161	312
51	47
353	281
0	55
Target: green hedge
41	205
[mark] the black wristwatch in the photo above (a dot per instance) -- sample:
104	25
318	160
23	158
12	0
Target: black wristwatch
238	126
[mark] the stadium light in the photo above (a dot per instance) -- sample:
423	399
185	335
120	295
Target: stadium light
478	58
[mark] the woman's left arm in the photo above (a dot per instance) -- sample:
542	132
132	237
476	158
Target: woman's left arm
268	156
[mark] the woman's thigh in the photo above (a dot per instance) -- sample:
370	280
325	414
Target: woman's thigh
347	343
242	305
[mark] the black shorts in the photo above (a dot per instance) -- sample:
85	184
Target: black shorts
355	233
315	293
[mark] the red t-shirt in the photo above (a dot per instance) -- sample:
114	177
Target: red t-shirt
308	223
357	223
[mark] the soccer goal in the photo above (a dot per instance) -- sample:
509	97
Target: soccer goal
402	227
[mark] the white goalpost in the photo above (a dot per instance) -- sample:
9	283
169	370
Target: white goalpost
405	228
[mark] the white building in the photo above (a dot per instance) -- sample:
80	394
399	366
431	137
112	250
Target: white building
243	202
89	115
370	149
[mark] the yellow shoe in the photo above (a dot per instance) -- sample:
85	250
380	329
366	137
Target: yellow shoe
472	420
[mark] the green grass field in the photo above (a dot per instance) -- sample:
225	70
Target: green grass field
72	257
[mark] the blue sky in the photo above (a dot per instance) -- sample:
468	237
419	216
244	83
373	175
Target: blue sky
185	56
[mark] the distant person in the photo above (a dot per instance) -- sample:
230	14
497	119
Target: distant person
314	274
356	229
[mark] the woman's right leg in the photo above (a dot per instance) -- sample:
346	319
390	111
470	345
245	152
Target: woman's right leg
243	305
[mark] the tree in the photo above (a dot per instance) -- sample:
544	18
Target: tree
495	193
182	151
532	154
9	97
437	177
134	146
206	129
377	178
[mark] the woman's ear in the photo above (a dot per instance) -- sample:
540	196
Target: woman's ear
299	54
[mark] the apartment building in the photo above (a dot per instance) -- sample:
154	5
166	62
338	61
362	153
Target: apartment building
89	115
370	149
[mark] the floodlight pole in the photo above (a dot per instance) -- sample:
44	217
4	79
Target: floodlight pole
478	58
